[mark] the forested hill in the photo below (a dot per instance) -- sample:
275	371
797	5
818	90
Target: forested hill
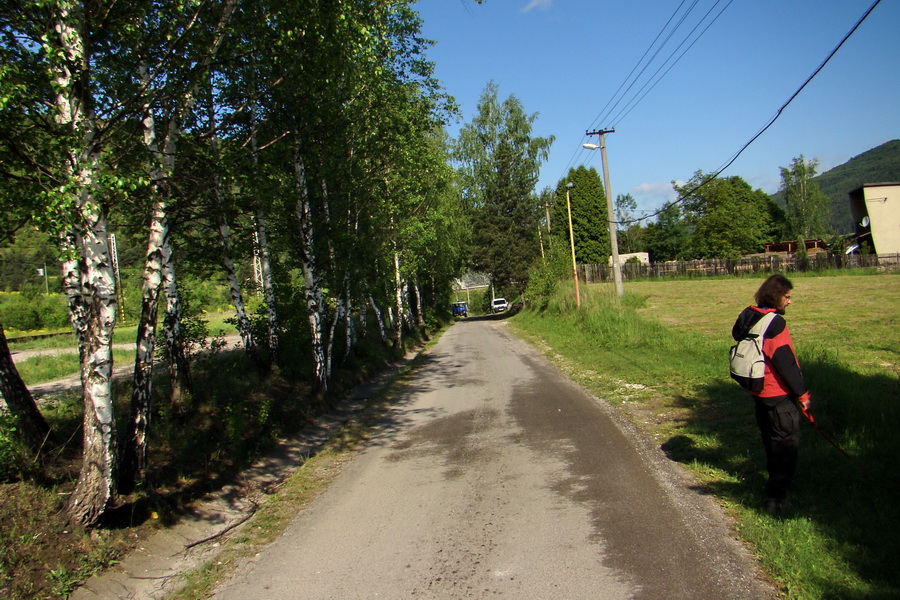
877	165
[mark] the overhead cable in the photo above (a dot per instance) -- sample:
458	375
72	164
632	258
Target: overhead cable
687	193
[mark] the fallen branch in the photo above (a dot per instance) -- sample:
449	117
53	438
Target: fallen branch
226	530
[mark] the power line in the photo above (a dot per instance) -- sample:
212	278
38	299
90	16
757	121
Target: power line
637	100
630	104
600	116
687	194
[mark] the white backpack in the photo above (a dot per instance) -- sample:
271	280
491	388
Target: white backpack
747	362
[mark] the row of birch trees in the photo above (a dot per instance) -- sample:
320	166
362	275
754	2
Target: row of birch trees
308	131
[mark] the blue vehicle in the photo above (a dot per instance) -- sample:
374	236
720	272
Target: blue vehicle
460	309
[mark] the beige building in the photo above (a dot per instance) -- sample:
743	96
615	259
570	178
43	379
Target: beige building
875	208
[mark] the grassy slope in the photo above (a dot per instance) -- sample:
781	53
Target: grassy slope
662	360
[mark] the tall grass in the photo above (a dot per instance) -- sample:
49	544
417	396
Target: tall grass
659	354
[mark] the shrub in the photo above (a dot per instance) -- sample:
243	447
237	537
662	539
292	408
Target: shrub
28	312
545	277
10	457
20	315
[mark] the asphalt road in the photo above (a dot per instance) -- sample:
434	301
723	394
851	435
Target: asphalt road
495	476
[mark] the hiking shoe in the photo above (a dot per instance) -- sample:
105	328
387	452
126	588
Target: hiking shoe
776	507
773	507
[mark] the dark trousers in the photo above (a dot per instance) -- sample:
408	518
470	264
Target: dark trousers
779	425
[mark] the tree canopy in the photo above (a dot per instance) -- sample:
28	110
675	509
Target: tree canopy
498	162
808	208
727	217
590	224
305	137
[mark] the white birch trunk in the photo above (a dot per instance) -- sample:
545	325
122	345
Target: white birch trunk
134	455
417	307
349	330
98	471
267	283
378	317
237	297
265	262
315	302
177	363
87	272
398	299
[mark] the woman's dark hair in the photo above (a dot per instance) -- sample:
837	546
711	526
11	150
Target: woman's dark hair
772	291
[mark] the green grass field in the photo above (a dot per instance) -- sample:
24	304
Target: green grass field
662	359
41	369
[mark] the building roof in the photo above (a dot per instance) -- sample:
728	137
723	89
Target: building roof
881	184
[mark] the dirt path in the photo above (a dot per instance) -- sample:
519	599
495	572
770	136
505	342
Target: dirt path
50	388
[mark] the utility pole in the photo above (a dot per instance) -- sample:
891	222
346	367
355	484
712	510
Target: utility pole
613	237
541	241
569	186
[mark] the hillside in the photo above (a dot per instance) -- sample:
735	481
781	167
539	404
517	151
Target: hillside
877	165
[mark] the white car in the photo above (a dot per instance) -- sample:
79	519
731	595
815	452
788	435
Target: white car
499	305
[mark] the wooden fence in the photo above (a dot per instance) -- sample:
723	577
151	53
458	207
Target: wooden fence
773	263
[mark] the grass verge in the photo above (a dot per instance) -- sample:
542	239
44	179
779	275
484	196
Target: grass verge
661	358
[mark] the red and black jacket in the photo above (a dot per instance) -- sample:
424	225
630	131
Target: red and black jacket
783	378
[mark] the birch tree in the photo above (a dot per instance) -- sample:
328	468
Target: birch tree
87	271
808	207
164	82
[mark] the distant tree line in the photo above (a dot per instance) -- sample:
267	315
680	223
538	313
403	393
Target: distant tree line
712	217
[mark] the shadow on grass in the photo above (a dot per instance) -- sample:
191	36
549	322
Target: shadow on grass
855	507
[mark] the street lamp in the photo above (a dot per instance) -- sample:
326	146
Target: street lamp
569	186
613	238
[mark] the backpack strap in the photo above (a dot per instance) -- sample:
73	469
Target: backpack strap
760	327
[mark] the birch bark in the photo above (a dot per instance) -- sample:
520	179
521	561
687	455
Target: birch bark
398	299
224	231
265	262
88	274
315	302
417	305
381	328
177	363
159	249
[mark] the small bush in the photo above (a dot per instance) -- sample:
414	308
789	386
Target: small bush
545	277
29	312
10	456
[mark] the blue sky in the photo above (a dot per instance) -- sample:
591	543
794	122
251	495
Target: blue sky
566	60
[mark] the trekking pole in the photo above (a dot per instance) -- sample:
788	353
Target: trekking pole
808	415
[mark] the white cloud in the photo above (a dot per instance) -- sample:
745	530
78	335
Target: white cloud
651	197
542	4
662	191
